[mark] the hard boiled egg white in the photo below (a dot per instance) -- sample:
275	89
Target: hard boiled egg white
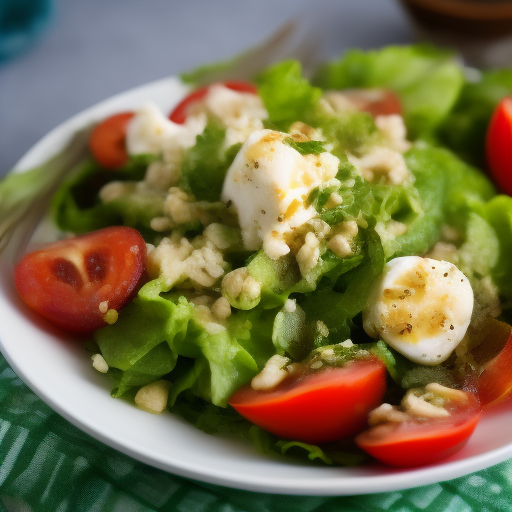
421	307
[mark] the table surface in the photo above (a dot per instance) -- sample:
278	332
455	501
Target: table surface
92	49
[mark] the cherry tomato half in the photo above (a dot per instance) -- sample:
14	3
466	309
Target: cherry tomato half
420	442
107	141
180	113
319	407
498	145
73	282
495	382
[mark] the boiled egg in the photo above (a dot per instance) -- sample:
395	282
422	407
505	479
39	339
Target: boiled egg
421	307
268	185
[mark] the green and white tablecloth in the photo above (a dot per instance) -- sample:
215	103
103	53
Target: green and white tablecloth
48	465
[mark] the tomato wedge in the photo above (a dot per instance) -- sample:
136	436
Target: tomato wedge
74	282
180	113
419	442
319	407
107	141
495	382
498	145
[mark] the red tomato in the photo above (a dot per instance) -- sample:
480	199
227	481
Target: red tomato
319	407
180	113
68	280
107	141
499	145
377	102
420	442
495	382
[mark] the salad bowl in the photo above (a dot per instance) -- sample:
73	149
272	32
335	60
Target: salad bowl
58	369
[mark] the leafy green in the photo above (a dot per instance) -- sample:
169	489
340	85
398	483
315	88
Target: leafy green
498	213
309	147
205	164
464	129
223	360
76	206
337	307
286	94
427	80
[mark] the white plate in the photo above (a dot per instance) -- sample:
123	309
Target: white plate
58	370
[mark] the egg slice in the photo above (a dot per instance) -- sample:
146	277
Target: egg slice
421	307
268	185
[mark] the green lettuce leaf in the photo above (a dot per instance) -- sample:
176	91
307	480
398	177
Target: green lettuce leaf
77	208
222	361
465	127
286	94
205	164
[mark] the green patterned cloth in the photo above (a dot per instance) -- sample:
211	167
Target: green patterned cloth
48	465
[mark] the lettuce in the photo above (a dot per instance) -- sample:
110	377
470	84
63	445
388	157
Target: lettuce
286	94
205	164
427	80
337	307
77	208
166	325
464	129
498	213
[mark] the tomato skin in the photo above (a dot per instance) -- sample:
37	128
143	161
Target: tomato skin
324	406
498	145
107	141
495	382
180	113
415	443
66	281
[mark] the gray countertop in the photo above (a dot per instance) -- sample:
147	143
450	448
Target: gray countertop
93	49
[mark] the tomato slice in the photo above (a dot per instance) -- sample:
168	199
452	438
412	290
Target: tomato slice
180	113
499	145
319	407
74	282
420	442
107	141
495	382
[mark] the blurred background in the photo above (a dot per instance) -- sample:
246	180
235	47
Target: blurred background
58	57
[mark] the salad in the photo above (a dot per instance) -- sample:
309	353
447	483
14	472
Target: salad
320	266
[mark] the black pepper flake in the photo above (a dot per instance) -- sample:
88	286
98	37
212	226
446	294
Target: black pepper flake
280	218
445	274
229	203
408	329
452	327
256	164
263	211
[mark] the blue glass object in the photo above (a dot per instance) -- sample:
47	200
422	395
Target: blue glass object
21	22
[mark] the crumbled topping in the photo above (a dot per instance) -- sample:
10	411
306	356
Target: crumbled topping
290	306
221	308
153	397
382	164
99	363
272	374
177	260
238	284
308	254
393	129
